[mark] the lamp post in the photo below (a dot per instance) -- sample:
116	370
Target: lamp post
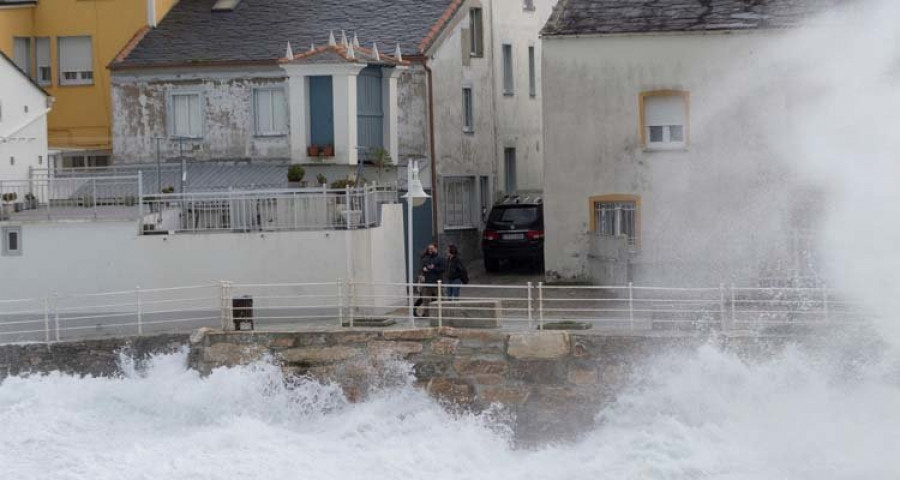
415	196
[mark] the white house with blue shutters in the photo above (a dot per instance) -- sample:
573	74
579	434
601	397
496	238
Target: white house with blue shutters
453	84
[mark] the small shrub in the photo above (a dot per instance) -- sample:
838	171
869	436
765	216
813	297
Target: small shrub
168	189
10	197
296	173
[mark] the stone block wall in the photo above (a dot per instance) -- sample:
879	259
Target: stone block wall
553	382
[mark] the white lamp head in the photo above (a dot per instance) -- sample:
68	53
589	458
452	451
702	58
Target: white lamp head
414	191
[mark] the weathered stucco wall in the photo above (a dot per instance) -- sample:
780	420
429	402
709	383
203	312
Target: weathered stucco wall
727	188
140	113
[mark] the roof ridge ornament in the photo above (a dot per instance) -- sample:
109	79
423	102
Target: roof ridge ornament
355	40
375	52
350	52
331	41
397	55
312	46
289	53
343	38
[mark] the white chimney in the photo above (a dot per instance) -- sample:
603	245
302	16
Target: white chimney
151	13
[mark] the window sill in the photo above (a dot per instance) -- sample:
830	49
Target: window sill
665	148
509	94
176	138
76	84
476	55
269	135
469	131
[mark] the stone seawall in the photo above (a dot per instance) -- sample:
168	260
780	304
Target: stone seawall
554	382
86	357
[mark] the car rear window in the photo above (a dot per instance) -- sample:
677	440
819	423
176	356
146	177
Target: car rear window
518	216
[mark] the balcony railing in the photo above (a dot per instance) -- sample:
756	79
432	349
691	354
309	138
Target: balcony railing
122	198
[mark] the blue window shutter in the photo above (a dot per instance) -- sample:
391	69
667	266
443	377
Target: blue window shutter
321	111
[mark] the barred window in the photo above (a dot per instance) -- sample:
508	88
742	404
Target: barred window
459	202
616	219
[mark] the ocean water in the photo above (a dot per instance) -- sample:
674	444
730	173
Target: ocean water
703	415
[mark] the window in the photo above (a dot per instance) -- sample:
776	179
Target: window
40	159
532	74
664	119
184	115
529	5
12	241
269	111
76	61
476	32
43	74
509	169
616	216
468	110
507	70
459	202
22	53
321	110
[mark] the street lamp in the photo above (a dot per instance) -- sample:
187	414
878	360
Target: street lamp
415	196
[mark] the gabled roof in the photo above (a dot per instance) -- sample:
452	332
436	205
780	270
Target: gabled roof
15	67
583	17
256	31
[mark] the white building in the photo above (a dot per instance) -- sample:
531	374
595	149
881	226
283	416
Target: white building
667	163
454	84
23	122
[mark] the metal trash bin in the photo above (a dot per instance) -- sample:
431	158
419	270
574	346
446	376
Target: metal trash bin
242	311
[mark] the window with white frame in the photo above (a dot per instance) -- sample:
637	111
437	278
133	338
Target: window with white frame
616	219
665	120
185	115
43	73
468	110
476	32
459	202
22	53
76	61
269	112
508	83
12	241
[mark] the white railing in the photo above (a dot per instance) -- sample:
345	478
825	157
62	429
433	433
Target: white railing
267	210
80	197
631	309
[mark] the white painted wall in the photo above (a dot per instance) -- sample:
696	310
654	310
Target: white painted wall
23	135
519	118
111	256
727	187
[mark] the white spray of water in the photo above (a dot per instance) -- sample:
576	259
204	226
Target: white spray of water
707	416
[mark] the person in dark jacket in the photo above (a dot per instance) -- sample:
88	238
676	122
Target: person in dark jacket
432	269
456	273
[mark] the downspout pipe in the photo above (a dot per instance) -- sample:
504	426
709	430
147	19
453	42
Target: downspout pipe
434	176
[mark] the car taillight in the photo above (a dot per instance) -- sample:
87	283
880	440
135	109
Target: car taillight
490	235
534	234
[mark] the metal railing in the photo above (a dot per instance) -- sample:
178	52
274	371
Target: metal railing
267	210
292	306
50	197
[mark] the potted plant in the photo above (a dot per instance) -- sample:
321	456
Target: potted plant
8	199
312	151
328	151
168	189
321	179
30	201
380	159
295	175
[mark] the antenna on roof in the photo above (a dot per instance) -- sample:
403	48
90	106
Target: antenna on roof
375	52
289	53
397	54
331	38
343	38
355	40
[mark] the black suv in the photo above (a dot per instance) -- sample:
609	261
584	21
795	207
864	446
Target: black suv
514	230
